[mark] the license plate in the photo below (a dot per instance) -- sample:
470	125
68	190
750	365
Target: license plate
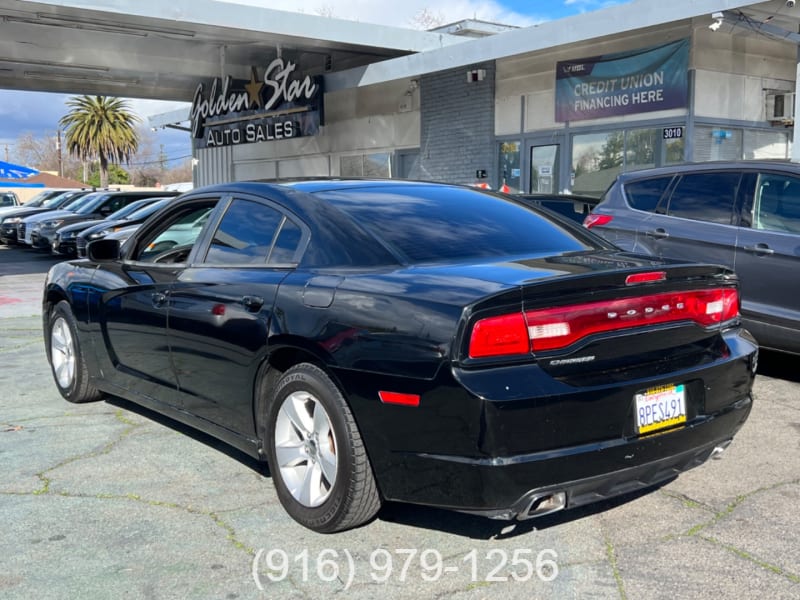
660	408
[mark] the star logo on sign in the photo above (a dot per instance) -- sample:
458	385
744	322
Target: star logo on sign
254	89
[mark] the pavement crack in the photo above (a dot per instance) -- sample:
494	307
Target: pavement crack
731	507
107	447
687	501
611	555
754	559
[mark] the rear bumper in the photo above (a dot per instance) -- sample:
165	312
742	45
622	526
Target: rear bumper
504	488
471	448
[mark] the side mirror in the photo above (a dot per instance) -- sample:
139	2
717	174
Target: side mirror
103	250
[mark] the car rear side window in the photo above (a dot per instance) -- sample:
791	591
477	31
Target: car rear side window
286	245
245	234
645	194
705	197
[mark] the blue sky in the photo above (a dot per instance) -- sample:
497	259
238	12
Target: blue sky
38	113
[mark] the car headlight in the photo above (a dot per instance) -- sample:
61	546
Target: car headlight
36	227
66	235
11	220
98	234
52	224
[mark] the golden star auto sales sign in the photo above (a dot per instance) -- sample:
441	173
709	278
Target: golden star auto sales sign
280	105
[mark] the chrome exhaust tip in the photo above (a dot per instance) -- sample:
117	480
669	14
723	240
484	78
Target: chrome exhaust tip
716	453
544	504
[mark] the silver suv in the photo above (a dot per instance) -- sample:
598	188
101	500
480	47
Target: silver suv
744	214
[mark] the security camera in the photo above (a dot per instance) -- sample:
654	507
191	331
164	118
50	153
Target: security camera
790	3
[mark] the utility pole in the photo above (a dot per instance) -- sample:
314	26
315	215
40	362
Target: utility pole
58	150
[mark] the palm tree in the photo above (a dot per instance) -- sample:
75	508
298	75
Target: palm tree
100	127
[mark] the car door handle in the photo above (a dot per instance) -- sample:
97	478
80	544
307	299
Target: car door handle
762	249
657	233
253	303
158	299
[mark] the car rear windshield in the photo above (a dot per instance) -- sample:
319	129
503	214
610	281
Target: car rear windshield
432	224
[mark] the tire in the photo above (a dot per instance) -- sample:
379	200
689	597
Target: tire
66	357
317	459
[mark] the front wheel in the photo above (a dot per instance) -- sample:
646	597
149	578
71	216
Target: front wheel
66	358
316	456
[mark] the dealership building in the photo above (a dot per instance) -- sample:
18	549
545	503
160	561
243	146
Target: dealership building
561	106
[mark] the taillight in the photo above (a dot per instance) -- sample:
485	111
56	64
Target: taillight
503	335
557	328
592	220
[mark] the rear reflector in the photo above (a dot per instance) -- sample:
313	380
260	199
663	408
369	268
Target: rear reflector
592	220
557	328
398	398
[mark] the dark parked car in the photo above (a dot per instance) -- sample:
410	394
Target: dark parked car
744	215
101	206
34	202
409	341
112	225
66	236
10	221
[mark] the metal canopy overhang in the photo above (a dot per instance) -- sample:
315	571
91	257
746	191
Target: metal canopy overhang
162	50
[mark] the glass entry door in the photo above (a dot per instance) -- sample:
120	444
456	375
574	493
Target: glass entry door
544	171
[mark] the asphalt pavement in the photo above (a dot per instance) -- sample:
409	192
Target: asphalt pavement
108	500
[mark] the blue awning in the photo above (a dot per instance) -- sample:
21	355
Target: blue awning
11	171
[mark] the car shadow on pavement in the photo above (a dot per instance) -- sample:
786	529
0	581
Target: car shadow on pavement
197	435
482	528
423	517
779	365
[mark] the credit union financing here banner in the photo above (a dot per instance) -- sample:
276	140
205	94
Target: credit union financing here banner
623	83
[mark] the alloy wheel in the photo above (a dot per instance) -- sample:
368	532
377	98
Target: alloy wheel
305	448
62	348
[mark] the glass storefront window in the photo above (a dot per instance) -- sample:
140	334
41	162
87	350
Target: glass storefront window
674	151
544	169
717	143
509	165
729	143
641	146
366	165
597	158
764	144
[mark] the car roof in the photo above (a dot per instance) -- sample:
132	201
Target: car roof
727	165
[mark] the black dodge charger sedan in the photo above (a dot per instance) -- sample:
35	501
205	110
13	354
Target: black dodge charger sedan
408	341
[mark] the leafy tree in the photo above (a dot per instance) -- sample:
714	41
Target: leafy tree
178	173
611	154
42	153
116	175
102	128
641	148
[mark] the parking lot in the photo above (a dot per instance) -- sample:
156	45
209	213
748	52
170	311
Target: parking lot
108	500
